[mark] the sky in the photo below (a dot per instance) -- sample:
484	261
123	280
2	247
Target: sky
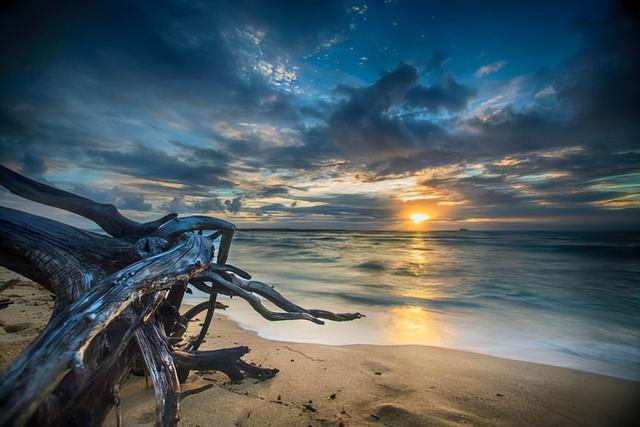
329	114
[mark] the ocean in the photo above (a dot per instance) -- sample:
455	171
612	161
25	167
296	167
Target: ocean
569	299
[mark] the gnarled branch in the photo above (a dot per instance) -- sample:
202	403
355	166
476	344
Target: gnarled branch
159	361
105	215
233	289
110	289
275	297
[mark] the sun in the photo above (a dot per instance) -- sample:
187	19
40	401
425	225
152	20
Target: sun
417	217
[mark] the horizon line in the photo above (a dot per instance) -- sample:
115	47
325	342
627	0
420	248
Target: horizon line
459	230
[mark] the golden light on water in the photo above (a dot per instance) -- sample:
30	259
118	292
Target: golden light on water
418	217
413	325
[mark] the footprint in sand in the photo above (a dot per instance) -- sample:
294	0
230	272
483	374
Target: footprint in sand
393	414
375	367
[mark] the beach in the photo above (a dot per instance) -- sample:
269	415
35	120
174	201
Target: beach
321	385
360	213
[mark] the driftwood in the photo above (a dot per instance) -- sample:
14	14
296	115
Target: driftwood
118	296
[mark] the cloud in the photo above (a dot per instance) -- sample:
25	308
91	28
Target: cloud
195	169
90	81
183	204
599	84
233	205
120	197
33	165
188	106
293	26
545	185
359	127
370	124
447	95
134	202
337	207
273	191
489	68
209	204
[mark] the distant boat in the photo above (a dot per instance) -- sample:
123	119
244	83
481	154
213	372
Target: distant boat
463	229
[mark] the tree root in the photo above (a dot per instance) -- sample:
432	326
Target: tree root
119	296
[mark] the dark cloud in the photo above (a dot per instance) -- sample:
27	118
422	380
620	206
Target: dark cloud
233	205
359	127
597	108
600	84
370	125
273	191
134	202
33	165
133	40
97	76
345	208
478	191
447	95
119	197
146	162
210	204
180	204
508	131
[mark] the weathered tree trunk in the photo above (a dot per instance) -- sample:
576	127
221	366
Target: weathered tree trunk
117	296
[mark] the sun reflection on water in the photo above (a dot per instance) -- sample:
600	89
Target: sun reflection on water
417	256
413	325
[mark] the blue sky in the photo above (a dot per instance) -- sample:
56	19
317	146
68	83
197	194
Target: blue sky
488	115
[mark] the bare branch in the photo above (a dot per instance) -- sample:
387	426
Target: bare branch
211	306
180	326
105	215
255	302
191	223
230	269
275	297
159	362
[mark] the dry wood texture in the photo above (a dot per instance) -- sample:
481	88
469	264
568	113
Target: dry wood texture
118	296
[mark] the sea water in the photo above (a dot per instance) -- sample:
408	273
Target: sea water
568	299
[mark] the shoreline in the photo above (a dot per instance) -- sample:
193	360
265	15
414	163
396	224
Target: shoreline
222	314
239	325
358	384
246	319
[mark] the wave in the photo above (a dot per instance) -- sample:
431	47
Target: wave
500	290
371	266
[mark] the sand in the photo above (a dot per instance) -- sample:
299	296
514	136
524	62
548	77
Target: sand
21	321
356	385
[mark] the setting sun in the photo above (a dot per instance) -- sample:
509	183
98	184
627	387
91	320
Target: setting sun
417	218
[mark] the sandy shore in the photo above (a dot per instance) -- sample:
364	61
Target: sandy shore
357	385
